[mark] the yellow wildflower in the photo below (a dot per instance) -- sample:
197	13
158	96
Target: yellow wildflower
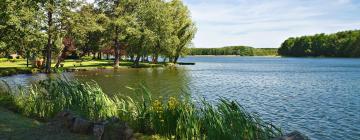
172	103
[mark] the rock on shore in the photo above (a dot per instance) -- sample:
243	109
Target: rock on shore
295	135
113	129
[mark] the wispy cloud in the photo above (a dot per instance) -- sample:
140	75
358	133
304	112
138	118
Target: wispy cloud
266	23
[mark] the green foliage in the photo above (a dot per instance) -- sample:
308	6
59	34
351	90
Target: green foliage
173	118
149	28
229	120
57	28
186	119
341	44
19	28
49	97
235	50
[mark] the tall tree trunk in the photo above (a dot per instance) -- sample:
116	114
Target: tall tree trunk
99	56
171	59
49	41
117	49
142	58
137	60
177	53
176	59
155	58
27	59
107	56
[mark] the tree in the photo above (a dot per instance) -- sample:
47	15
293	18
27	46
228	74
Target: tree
80	28
156	28
184	28
341	44
20	29
118	12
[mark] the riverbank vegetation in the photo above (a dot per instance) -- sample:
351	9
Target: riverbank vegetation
179	118
136	31
341	44
235	50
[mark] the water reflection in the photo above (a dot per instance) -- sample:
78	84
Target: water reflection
161	81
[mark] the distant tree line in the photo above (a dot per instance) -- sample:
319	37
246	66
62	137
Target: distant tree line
235	50
341	44
53	29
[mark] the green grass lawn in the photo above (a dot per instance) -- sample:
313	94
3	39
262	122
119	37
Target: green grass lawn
16	127
17	63
5	63
18	66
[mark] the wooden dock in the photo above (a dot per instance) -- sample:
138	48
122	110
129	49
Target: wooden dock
184	63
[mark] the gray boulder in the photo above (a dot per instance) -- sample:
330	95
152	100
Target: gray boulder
295	135
113	129
82	126
76	124
118	131
98	131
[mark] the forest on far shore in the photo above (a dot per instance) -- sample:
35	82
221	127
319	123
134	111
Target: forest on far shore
340	44
235	50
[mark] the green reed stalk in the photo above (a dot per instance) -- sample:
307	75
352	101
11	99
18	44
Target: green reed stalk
168	117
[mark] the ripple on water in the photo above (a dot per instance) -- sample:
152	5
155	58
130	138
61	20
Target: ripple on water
320	97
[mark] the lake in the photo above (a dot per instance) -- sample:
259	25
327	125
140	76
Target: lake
317	96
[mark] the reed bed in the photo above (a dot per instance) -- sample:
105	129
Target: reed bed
172	118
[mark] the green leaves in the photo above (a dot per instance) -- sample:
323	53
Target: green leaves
147	28
341	44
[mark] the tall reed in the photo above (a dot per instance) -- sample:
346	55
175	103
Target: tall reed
45	99
174	118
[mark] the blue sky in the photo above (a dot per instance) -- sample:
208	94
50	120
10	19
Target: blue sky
267	23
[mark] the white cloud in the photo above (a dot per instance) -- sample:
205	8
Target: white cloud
265	23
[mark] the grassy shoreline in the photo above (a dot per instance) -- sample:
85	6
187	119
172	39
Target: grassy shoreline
18	66
179	118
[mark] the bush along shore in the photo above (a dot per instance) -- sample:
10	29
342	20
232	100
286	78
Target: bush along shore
85	108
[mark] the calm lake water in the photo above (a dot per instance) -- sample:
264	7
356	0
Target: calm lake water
317	96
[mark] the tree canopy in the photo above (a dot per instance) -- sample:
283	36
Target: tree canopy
341	44
235	50
51	29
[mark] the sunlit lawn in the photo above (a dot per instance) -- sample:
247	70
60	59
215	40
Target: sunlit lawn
6	63
18	66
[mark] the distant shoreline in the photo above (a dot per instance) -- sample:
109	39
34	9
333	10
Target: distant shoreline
237	55
273	56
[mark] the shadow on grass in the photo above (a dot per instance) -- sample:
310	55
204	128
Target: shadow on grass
16	127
